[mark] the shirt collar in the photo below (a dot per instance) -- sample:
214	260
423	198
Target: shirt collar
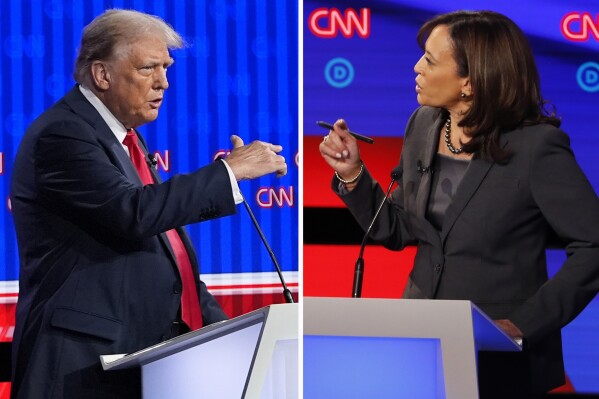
113	123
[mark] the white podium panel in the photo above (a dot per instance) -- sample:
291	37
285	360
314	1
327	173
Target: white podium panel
216	369
250	356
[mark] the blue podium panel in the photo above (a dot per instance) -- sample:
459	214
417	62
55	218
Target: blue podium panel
372	367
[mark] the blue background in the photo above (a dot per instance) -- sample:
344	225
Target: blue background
381	97
238	76
338	367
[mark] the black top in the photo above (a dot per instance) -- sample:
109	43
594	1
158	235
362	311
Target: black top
447	175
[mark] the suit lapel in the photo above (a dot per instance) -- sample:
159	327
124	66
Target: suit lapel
430	149
77	101
157	179
124	162
474	176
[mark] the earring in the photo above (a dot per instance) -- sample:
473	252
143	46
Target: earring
462	95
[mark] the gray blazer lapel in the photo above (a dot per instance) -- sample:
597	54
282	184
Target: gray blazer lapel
430	149
475	174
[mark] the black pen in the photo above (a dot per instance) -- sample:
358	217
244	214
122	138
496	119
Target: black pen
356	135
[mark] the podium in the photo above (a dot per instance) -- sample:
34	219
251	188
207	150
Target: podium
251	356
396	348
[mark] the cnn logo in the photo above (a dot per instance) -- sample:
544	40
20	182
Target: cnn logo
579	27
268	197
328	23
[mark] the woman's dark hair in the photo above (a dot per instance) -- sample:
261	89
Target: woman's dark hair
493	52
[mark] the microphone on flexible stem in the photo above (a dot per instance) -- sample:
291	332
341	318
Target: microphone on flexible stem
151	160
422	169
359	269
286	292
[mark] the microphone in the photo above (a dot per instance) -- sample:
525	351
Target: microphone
422	169
286	292
359	269
152	162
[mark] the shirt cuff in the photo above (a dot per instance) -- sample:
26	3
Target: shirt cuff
237	196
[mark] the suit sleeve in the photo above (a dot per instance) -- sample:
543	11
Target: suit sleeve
77	179
571	207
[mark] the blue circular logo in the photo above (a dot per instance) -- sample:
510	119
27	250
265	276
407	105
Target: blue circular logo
587	76
339	72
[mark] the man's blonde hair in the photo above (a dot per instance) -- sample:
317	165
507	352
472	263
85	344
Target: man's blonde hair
115	28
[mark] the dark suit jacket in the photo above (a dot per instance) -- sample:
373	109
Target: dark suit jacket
491	248
97	274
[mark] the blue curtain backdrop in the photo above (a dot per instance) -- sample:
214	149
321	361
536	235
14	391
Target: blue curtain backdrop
237	76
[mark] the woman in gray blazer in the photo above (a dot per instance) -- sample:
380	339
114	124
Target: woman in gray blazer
485	176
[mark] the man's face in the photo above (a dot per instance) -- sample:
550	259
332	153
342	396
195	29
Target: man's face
138	80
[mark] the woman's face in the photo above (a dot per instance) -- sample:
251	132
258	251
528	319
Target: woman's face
438	83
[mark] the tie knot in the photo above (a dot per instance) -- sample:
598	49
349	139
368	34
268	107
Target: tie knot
131	138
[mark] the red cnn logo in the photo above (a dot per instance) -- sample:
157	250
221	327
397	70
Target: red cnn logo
348	23
585	23
267	197
220	154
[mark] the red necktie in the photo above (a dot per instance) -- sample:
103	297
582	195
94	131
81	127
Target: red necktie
190	304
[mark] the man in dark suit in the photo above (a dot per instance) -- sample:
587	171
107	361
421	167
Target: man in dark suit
105	264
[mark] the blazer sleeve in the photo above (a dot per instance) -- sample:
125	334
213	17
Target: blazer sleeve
77	178
571	207
392	229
